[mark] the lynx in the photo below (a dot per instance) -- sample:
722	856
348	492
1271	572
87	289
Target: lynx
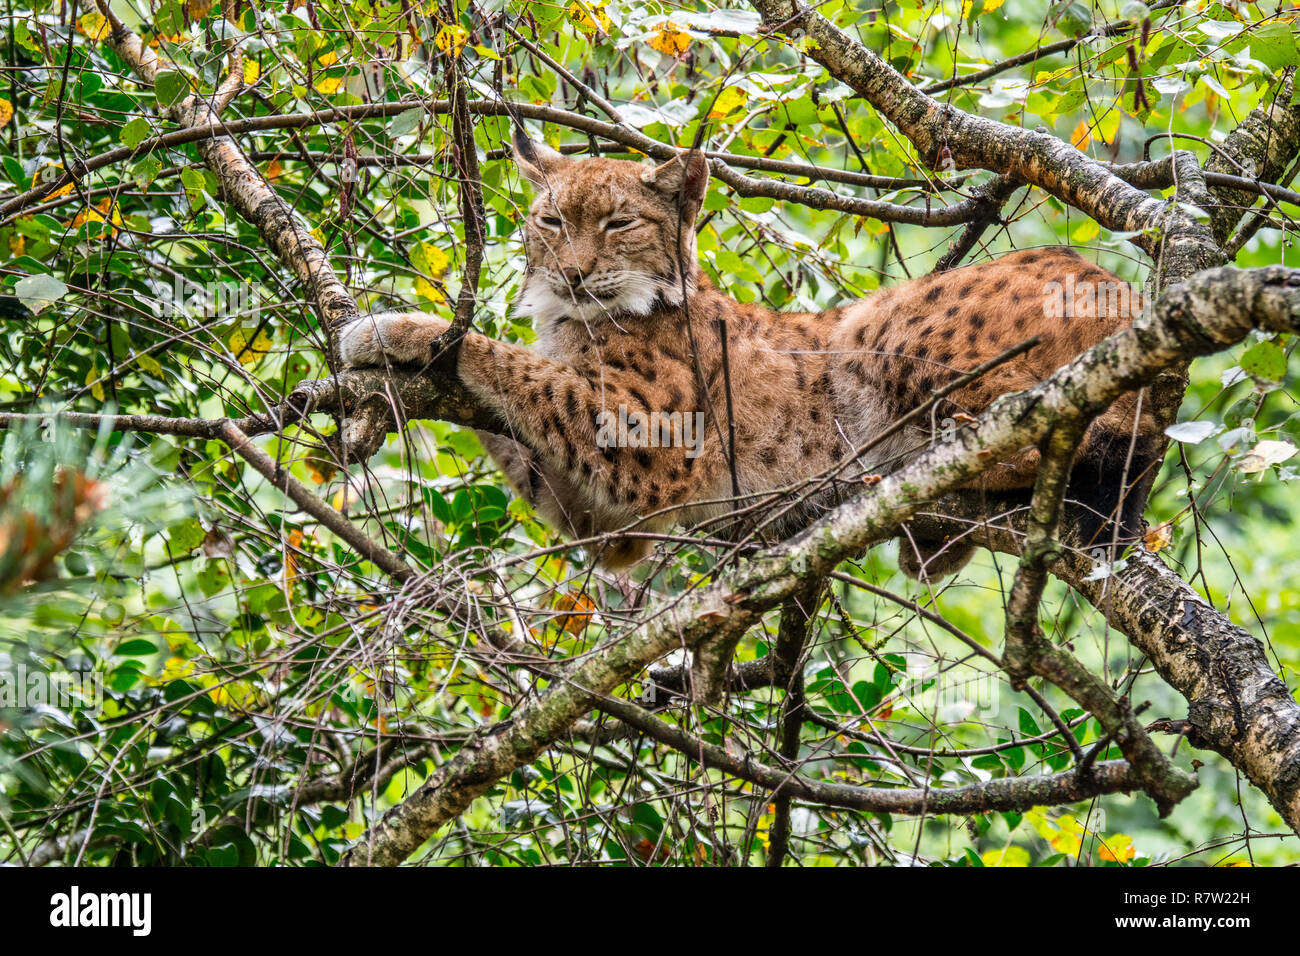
629	328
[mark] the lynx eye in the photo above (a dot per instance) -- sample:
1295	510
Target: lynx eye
552	222
614	225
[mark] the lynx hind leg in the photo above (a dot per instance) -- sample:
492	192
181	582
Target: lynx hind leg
924	560
1105	506
1112	478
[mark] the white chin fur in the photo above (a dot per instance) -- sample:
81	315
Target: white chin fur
637	296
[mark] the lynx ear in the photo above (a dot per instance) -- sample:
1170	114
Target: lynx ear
685	175
536	160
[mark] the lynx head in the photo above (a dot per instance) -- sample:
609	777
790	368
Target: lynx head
602	234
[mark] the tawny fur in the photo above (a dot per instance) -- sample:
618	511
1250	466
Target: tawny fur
625	317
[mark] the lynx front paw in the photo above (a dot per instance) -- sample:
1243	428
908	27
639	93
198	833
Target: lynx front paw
396	338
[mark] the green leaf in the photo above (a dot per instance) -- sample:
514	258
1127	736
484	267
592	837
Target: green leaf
405	122
1275	44
146	171
135	132
185	536
136	648
195	186
1265	361
38	292
1028	726
170	87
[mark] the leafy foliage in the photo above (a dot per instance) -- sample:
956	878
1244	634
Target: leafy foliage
264	694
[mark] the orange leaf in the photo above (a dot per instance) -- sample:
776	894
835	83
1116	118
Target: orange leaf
1159	537
1080	138
574	601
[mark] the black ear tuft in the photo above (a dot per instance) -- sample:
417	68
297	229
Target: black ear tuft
523	146
536	160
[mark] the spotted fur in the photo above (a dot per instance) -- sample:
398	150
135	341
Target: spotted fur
625	317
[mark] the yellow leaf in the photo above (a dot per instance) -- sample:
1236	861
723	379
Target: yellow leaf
329	85
177	667
430	260
1106	127
50	173
728	101
6	111
590	18
1086	231
252	70
290	560
991	5
1117	848
1080	138
328	58
670	40
17	245
1039	821
451	39
93	26
427	290
1010	856
274	170
96	386
104	211
86	215
1066	843
249	353
1069	824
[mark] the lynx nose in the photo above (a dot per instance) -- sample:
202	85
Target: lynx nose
572	275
